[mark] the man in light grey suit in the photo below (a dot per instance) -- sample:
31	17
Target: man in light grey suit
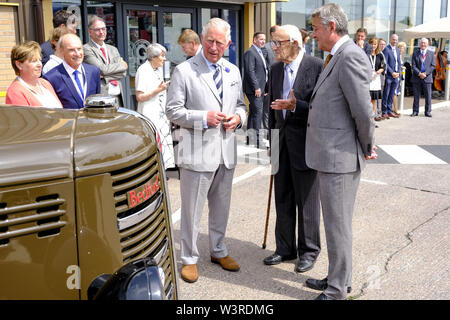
106	57
205	99
339	139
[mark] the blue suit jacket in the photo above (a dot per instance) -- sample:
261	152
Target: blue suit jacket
390	61
65	89
416	64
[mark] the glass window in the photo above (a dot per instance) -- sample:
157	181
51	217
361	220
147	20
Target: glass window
298	13
232	17
106	11
174	23
353	9
73	6
432	11
378	18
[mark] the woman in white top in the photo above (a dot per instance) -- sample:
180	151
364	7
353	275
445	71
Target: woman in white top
151	97
57	58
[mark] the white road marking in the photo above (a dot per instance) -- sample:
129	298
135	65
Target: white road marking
176	216
411	154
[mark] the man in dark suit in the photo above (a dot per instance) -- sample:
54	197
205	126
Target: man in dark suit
62	18
254	85
338	141
73	80
291	84
270	59
423	65
393	67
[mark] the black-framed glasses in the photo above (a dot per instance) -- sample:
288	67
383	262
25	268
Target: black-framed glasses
277	43
98	29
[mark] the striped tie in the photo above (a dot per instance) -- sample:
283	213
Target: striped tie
218	80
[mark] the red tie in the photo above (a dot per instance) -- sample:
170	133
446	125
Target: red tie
114	82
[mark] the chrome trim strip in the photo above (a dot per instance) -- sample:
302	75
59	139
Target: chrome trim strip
161	253
140	215
170	292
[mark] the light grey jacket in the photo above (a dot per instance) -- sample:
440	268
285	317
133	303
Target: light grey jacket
340	124
114	70
191	94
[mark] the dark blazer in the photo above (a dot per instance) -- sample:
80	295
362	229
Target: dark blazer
254	72
379	61
430	65
47	51
65	89
293	127
367	48
390	60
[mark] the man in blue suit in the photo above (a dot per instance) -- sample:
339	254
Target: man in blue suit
73	80
423	64
393	68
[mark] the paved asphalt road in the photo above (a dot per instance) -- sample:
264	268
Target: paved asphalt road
401	242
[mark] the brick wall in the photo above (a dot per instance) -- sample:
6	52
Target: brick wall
7	41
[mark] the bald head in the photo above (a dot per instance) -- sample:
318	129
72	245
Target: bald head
72	50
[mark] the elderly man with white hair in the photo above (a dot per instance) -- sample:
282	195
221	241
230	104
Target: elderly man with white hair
423	65
206	100
151	97
291	85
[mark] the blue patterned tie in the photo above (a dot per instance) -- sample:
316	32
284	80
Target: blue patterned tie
218	80
77	80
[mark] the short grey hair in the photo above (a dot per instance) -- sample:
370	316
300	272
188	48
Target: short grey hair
155	50
219	24
92	19
425	39
294	33
333	12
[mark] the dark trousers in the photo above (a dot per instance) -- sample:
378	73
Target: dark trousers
265	117
390	86
417	87
296	199
255	116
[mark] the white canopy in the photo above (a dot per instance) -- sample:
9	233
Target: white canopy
433	29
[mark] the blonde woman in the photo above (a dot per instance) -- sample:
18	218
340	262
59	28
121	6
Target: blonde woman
378	66
28	89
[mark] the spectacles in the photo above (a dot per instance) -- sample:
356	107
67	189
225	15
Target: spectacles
277	43
99	29
218	44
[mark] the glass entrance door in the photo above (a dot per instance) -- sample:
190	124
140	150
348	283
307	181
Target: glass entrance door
174	24
148	24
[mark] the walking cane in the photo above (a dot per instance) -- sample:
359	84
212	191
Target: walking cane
268	211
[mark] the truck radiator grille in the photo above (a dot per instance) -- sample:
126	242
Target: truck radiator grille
41	217
144	228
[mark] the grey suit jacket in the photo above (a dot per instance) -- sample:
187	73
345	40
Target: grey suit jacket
191	94
340	122
114	70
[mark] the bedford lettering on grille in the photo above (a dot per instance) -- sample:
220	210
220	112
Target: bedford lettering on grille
142	193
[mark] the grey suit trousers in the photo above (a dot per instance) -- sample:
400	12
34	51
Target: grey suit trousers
337	196
195	188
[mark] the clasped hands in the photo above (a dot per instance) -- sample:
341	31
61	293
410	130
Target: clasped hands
229	122
373	155
285	104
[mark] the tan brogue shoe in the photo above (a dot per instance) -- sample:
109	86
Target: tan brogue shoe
189	273
227	263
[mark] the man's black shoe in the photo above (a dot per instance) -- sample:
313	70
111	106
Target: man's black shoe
304	265
323	296
277	259
320	285
414	114
428	115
